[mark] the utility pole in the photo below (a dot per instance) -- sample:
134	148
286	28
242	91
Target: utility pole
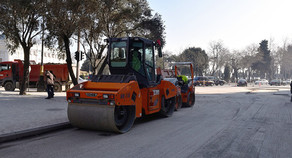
163	61
78	51
41	83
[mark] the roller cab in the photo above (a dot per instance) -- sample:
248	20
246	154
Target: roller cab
113	102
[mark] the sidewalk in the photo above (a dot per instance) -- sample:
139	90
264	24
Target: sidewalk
283	92
32	111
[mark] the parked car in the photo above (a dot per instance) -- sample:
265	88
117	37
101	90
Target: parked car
275	82
216	80
262	82
242	82
286	82
202	80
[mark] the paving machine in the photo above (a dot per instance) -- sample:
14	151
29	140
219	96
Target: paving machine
133	89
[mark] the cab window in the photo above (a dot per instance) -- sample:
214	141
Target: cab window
149	56
118	54
4	67
136	53
149	62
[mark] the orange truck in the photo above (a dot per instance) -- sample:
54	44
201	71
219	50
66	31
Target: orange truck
132	90
11	73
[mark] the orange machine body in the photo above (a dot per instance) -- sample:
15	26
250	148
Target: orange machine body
188	94
186	91
123	94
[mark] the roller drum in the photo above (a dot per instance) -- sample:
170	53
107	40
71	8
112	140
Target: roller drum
101	117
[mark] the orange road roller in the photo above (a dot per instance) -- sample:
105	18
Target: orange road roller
132	90
185	87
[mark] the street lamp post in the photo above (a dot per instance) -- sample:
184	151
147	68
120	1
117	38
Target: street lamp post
41	83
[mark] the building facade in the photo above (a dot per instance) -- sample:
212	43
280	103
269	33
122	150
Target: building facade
49	56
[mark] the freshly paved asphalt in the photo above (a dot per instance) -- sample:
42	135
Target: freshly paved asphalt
31	114
225	122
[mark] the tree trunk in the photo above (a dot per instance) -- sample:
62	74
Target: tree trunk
213	69
69	60
236	74
24	80
249	74
98	63
104	62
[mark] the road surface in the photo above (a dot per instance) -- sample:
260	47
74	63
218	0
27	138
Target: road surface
225	122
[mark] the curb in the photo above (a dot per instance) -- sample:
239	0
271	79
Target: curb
282	92
32	132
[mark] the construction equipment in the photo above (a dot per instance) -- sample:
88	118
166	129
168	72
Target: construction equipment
11	74
169	75
181	70
113	102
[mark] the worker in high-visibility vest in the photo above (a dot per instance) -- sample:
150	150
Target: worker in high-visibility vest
184	78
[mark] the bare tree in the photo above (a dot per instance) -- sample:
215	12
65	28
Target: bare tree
218	55
235	58
286	66
281	59
247	59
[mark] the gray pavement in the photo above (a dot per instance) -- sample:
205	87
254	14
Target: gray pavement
227	122
32	114
20	114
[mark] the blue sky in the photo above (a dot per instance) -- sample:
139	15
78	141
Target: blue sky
238	23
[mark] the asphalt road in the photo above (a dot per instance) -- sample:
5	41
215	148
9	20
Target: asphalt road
230	123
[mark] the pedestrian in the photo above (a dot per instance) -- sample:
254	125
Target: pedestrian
50	84
52	87
291	87
291	90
